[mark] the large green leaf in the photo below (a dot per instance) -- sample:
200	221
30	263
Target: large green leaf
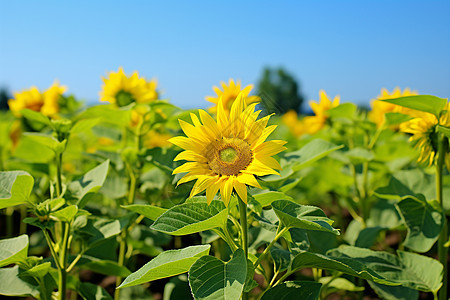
167	264
211	278
47	140
293	215
424	221
15	188
84	125
398	292
344	110
149	211
408	269
305	290
91	182
395	118
89	291
347	266
108	114
190	218
13	250
266	198
426	103
35	116
12	285
66	214
310	153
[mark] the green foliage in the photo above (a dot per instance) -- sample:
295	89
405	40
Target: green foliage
307	290
426	103
167	264
13	250
211	278
15	188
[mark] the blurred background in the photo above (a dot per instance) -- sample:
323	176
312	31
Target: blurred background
350	48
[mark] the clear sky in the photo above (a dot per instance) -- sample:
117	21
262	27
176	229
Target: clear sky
351	48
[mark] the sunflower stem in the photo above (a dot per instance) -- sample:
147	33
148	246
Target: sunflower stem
443	237
244	227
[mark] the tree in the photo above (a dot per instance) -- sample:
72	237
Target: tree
4	96
279	91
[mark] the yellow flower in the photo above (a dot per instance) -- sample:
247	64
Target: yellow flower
155	139
46	102
123	90
316	122
229	94
296	126
422	128
380	108
227	154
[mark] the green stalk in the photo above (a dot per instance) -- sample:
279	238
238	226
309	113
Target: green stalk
244	227
275	239
443	237
9	221
63	262
58	174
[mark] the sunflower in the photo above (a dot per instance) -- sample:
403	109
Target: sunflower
229	94
227	154
423	129
380	108
124	90
317	122
45	102
296	126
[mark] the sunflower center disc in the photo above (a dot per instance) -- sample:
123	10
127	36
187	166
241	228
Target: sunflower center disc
124	98
228	156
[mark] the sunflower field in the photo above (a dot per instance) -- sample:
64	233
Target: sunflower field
135	198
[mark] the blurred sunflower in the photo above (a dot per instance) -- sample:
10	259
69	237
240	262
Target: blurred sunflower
155	139
314	123
124	90
229	94
423	130
227	154
45	102
380	108
296	126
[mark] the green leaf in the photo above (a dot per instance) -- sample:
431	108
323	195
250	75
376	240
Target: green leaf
359	155
444	130
408	269
108	114
310	153
149	211
266	198
424	221
211	278
190	218
348	266
12	285
13	250
91	182
66	214
15	188
28	148
305	290
89	291
395	118
358	236
35	116
340	284
84	125
394	292
167	264
47	141
423	273
293	215
105	267
426	103
40	270
344	110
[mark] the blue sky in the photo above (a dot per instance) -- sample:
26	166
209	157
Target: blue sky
351	48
